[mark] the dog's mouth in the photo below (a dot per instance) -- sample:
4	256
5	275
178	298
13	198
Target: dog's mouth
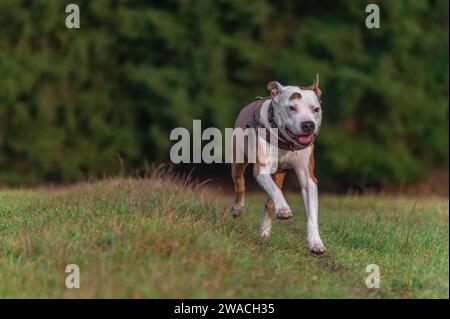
301	139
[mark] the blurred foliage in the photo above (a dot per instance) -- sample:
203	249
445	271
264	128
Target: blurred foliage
71	100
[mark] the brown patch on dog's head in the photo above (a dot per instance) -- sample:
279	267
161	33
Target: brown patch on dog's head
295	96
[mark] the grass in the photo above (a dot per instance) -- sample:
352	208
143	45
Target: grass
151	238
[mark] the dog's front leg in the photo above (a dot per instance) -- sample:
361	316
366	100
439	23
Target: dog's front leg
281	207
314	241
266	219
311	203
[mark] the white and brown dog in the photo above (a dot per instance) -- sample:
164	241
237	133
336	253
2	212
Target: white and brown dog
296	114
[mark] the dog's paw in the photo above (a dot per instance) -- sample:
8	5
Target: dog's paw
284	213
316	246
236	210
265	231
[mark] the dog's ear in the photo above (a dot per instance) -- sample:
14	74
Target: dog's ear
274	88
315	86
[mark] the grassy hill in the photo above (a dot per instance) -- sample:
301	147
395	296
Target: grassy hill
157	238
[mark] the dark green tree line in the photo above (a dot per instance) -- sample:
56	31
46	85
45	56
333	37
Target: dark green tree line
71	100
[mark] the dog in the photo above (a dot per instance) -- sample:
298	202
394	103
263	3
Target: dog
296	114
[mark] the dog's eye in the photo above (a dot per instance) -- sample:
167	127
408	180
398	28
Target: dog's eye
317	109
292	108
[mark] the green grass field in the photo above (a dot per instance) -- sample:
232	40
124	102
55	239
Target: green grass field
153	239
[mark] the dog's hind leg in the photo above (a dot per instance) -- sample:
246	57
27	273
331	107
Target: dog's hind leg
237	172
266	220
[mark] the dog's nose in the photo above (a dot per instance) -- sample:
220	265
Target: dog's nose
308	126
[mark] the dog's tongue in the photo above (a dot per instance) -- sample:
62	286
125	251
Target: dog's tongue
305	139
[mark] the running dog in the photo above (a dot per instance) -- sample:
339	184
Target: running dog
296	115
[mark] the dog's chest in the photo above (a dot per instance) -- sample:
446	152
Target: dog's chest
289	159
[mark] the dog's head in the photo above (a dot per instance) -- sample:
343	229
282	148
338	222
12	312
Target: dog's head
297	111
